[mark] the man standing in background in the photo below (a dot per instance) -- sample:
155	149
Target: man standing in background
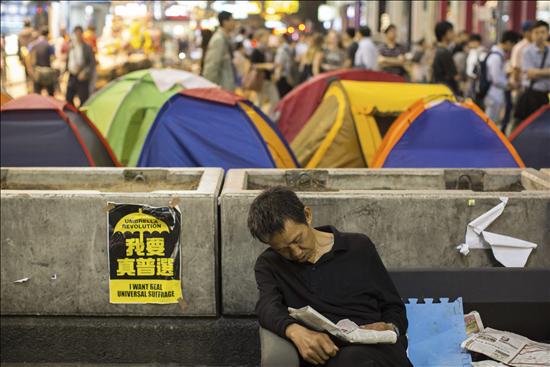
218	63
443	68
366	56
80	64
535	67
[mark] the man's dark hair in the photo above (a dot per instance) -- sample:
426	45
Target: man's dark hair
475	37
78	29
540	23
27	22
224	16
441	29
351	32
510	36
44	31
270	210
389	28
364	31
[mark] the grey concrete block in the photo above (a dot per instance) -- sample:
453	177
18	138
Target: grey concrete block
411	228
63	232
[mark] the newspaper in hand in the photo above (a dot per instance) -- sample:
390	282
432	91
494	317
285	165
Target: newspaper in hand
512	349
345	329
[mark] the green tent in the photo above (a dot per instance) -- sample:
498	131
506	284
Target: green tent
124	110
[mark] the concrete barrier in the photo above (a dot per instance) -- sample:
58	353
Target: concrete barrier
54	232
416	218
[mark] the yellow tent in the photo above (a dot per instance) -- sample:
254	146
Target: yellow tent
348	126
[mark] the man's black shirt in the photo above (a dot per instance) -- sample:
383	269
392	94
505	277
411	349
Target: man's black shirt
444	69
348	282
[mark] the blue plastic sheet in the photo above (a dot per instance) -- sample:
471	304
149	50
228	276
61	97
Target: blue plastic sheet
435	333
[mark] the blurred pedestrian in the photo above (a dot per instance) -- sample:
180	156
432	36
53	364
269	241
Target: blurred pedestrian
443	67
366	56
495	99
218	62
392	54
535	67
310	64
333	54
24	38
206	35
350	45
41	54
285	66
261	61
519	48
304	40
80	65
476	53
240	61
460	54
421	58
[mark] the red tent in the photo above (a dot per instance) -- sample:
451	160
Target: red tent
44	131
296	107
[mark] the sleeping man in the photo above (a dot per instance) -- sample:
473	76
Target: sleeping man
339	274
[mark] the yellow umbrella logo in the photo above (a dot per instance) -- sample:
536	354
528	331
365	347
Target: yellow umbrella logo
140	222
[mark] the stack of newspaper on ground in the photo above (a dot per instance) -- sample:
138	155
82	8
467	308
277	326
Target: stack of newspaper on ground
345	329
507	348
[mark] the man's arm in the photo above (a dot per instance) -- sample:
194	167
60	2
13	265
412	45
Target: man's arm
531	69
449	66
391	306
313	346
272	313
495	71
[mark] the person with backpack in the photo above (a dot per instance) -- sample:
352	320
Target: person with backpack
476	52
493	80
536	73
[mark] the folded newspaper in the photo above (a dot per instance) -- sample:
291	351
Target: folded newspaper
511	349
345	329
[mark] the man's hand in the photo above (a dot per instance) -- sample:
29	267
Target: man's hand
378	326
313	346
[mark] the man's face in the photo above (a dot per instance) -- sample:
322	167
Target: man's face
450	36
473	45
507	46
78	35
296	242
229	25
539	35
391	35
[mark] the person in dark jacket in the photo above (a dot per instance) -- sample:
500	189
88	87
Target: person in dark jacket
339	274
443	68
80	65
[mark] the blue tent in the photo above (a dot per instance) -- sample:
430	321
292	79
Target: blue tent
209	127
445	134
532	139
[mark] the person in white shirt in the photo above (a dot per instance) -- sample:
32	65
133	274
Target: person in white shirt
496	74
476	54
519	48
366	56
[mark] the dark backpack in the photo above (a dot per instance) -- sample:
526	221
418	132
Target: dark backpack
482	81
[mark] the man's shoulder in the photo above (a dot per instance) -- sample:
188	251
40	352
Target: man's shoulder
356	241
267	256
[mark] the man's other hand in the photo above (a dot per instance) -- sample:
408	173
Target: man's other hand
378	326
313	346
